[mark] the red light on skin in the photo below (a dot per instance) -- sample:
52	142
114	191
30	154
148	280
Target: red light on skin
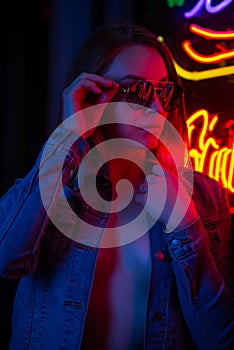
209	155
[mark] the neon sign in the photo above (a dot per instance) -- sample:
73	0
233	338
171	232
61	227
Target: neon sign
205	74
172	3
209	157
215	58
208	152
208	6
210	34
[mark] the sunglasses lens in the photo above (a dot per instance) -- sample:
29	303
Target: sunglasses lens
140	93
169	96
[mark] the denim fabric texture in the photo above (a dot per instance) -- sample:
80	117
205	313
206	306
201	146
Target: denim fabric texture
190	303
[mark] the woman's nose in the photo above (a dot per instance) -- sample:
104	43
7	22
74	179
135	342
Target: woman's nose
155	104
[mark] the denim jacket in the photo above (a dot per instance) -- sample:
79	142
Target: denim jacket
190	301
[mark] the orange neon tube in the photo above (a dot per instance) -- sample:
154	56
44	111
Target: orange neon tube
214	58
211	34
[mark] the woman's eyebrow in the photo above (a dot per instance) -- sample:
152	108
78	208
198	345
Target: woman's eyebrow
132	76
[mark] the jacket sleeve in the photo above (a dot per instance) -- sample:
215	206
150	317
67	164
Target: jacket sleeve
24	212
203	265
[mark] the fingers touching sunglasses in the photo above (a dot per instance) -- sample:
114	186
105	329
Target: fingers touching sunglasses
141	92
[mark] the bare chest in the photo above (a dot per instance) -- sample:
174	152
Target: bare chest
119	295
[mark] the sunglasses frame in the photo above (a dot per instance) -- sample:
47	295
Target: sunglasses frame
153	83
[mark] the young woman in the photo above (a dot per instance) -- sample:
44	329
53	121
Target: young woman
170	287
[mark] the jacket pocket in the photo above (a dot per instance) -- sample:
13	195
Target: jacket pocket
212	229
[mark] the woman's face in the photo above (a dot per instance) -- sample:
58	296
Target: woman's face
133	63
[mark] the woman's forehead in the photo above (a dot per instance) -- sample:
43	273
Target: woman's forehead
138	60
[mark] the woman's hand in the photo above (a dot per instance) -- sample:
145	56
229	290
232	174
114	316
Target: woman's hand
167	200
87	90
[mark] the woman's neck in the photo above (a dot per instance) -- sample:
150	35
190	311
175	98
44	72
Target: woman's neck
131	165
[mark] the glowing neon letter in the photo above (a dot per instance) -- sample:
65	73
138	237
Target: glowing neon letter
216	161
211	34
209	8
207	59
172	3
208	34
217	8
195	10
205	74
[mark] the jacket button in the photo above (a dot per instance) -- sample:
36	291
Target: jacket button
175	244
160	255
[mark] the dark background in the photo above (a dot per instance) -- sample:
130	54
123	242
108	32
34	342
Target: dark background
38	41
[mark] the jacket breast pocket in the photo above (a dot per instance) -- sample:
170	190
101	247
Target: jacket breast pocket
212	229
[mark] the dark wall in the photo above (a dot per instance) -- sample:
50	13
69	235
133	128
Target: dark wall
39	40
24	71
24	83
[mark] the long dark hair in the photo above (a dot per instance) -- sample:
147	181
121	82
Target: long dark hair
107	41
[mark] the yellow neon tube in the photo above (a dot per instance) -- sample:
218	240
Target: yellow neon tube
211	34
205	74
208	156
215	58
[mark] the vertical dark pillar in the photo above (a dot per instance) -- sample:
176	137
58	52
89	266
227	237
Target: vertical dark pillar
71	22
70	25
120	9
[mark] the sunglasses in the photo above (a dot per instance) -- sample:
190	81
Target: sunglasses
141	93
